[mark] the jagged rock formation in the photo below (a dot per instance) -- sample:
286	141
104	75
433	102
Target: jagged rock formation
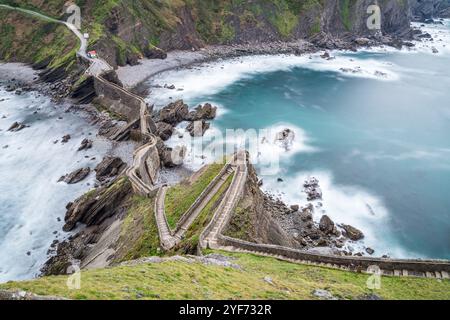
253	220
424	10
94	207
101	211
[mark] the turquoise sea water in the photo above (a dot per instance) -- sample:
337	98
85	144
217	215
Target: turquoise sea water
380	145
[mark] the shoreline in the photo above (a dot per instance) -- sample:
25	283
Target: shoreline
49	119
186	59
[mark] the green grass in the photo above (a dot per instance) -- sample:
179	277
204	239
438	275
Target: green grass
180	280
180	197
139	233
191	239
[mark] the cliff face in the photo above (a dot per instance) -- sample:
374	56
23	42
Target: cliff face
428	9
253	218
125	30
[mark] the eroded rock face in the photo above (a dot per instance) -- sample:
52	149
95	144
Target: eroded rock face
198	128
112	77
94	207
164	130
205	112
152	52
173	157
109	168
174	113
426	10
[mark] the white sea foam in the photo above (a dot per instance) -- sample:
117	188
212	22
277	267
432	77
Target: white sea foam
213	77
441	38
265	150
31	200
344	205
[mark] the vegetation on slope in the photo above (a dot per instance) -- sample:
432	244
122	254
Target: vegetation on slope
179	198
29	39
181	280
130	28
139	232
192	237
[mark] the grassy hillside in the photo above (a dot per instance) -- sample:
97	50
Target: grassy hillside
125	30
257	278
179	198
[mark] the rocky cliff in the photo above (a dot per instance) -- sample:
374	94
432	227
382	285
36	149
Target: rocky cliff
423	10
126	30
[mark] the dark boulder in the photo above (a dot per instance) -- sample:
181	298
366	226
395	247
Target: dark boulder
109	168
85	145
17	126
174	113
326	225
66	138
76	176
352	233
164	130
197	128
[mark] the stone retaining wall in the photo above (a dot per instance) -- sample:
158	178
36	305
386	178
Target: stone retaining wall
117	100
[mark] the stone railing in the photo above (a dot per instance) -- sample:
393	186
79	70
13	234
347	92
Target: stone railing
212	237
399	267
142	176
229	202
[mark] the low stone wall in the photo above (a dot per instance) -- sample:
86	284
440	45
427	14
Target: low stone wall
413	267
145	169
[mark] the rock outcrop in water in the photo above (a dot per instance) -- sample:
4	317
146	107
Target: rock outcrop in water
76	176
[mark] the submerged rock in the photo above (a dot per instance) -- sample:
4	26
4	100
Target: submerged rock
17	126
85	145
164	130
312	189
285	138
66	138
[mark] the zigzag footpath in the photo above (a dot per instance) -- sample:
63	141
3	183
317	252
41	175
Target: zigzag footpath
213	238
138	172
169	238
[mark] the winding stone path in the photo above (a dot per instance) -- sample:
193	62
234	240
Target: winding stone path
170	239
97	65
211	236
